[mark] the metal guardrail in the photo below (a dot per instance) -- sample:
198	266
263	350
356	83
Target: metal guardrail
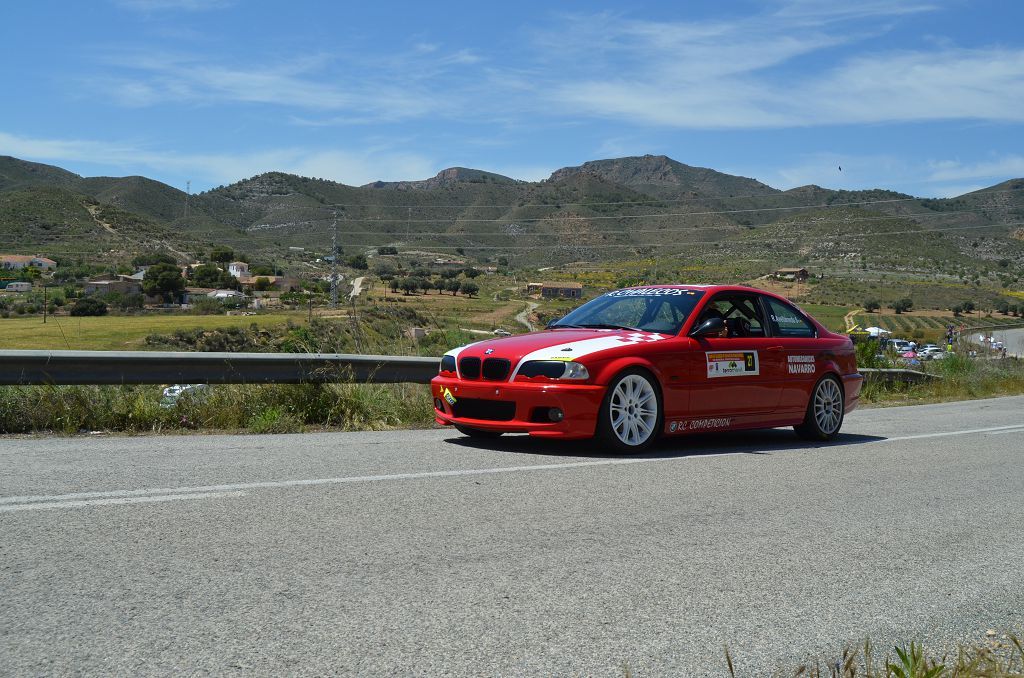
67	368
156	367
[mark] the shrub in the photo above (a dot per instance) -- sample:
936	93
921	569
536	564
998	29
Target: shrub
901	305
89	306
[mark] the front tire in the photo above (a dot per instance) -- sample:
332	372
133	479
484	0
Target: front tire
630	417
477	433
824	415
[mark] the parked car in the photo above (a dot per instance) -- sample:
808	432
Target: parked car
899	345
172	393
636	364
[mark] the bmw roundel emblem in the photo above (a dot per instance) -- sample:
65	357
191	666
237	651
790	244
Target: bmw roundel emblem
489	351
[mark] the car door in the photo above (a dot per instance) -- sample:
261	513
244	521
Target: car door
801	360
735	375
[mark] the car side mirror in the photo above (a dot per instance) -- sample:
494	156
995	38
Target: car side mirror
709	327
552	323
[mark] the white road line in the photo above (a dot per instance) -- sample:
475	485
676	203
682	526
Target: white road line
335	481
999	433
951	433
153	493
122	500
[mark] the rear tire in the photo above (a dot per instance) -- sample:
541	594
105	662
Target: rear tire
630	417
477	433
824	415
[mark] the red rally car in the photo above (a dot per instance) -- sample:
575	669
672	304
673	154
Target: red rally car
638	363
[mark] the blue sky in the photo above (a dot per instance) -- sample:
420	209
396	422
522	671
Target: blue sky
919	96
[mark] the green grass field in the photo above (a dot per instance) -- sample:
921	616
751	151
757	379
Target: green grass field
829	316
117	333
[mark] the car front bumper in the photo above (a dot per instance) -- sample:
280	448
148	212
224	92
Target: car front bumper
517	407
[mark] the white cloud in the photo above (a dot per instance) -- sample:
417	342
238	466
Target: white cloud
934	178
985	84
349	166
995	168
352	89
741	74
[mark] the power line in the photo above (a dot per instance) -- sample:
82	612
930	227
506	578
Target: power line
258	231
555	205
662	245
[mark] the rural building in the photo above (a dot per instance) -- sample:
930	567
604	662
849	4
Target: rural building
795	274
239	269
107	284
193	293
415	333
281	283
567	290
16	262
533	288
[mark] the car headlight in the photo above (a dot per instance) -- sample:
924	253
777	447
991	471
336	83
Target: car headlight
447	364
554	369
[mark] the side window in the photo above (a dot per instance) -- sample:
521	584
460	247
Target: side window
741	313
786	321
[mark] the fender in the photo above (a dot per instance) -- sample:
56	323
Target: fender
606	371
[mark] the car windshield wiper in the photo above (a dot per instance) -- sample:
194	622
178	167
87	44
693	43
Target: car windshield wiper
609	326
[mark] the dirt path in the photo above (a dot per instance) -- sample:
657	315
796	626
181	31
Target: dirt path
94	212
523	318
848	319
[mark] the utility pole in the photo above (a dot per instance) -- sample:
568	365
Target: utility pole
188	195
44	303
334	264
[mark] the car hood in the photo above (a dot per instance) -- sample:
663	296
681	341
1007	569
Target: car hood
568	344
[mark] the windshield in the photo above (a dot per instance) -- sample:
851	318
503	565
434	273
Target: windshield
651	309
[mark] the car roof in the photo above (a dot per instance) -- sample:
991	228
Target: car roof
716	287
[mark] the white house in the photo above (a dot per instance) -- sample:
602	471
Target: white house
16	262
239	269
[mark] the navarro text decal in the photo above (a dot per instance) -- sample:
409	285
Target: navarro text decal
801	364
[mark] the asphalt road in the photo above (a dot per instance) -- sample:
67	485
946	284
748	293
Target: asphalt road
1012	339
418	553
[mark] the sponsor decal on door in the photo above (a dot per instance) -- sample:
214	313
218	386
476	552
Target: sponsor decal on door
732	364
801	364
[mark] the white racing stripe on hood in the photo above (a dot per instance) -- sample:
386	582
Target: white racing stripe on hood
572	350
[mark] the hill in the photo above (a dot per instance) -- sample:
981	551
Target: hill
663	177
601	213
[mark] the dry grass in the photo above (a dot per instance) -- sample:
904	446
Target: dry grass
997	659
257	409
961	379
